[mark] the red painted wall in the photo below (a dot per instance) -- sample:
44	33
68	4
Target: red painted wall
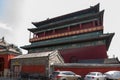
67	29
6	60
33	69
84	70
92	52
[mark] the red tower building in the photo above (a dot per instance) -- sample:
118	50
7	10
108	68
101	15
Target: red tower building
77	36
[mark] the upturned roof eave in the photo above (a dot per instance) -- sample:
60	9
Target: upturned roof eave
107	37
88	10
98	16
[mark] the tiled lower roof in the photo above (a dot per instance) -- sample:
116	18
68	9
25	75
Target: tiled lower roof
32	55
101	61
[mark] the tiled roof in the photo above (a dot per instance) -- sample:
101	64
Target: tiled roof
9	47
33	55
101	61
112	61
93	9
85	65
70	39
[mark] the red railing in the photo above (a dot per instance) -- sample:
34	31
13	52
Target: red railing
34	39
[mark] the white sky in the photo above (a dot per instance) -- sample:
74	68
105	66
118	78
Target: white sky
16	17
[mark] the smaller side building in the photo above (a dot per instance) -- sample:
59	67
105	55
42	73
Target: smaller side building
7	52
36	63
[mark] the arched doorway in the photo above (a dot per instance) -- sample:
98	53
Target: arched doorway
1	64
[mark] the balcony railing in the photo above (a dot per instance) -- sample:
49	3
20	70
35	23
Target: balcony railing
34	39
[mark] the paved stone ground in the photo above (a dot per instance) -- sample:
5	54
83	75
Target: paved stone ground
8	78
3	78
